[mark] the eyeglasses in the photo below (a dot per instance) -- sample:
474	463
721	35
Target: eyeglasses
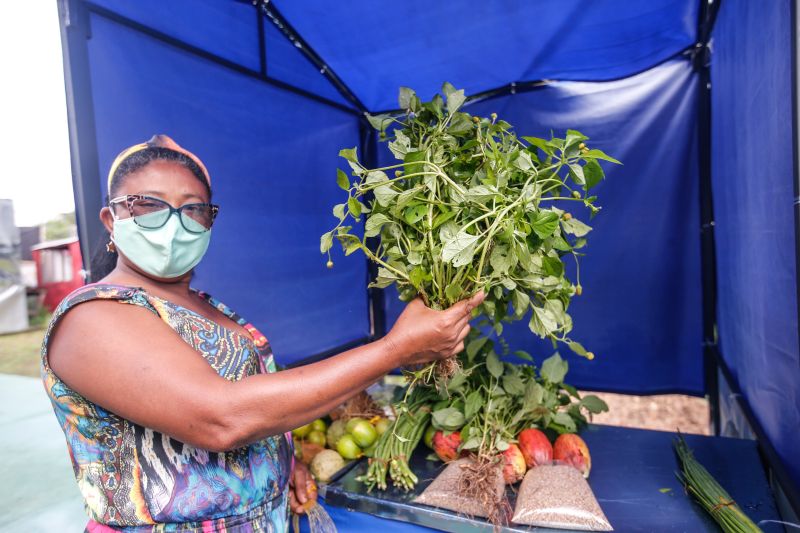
152	213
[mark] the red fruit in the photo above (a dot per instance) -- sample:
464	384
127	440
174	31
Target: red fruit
535	447
513	464
446	446
572	450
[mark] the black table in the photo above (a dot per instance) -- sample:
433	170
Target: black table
631	472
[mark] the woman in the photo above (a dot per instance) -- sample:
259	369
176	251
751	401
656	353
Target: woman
174	416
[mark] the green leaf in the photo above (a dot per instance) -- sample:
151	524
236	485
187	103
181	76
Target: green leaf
474	346
593	404
513	385
593	173
414	213
473	443
494	365
599	154
400	145
447	89
554	368
455	100
501	260
414	162
448	419
480	194
441	218
325	242
355	206
460	250
575	227
574	137
379	122
385	278
544	223
349	154
374	224
406	97
522	354
564	420
534	393
473	404
576	171
460	123
342	180
351	245
541	144
553	266
338	211
521	301
384	194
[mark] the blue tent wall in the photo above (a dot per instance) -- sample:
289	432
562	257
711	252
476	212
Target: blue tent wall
752	140
224	82
264	258
640	311
481	45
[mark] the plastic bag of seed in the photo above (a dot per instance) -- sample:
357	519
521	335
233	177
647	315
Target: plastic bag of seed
444	491
558	496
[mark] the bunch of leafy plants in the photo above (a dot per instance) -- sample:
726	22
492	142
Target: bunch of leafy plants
469	205
489	401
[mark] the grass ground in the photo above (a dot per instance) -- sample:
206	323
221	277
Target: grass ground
19	353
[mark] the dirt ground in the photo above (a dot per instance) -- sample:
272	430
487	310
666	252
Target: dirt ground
665	412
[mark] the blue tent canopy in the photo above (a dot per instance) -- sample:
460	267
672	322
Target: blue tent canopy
691	273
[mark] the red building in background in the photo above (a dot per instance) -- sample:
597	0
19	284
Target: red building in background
59	269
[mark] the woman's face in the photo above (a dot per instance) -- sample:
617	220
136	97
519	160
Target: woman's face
167	180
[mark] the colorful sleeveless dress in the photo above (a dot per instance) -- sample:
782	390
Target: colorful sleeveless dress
138	480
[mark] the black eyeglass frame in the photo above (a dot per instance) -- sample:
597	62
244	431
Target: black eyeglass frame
128	199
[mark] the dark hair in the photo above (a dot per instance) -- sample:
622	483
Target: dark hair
103	261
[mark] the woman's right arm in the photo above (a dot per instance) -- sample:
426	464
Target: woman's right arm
126	360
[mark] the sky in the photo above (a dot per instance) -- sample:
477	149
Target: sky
34	143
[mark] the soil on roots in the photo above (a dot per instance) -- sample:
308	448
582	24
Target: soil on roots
478	482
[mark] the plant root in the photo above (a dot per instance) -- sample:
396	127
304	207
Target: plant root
478	482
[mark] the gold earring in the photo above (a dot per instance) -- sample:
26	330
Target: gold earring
111	247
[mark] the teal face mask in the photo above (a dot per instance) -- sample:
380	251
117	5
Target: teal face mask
166	252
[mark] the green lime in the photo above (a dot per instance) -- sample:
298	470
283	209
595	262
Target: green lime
364	433
428	438
319	425
382	425
316	437
302	431
348	448
351	424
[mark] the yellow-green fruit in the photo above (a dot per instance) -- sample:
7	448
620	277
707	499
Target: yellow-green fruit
335	433
329	264
352	423
316	437
382	425
302	431
348	448
576	194
319	425
428	438
364	433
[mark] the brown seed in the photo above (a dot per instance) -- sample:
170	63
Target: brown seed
558	496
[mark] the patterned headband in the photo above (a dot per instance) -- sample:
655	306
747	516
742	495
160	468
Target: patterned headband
160	141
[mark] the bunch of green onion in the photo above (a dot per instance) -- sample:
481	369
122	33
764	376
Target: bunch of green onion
711	496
